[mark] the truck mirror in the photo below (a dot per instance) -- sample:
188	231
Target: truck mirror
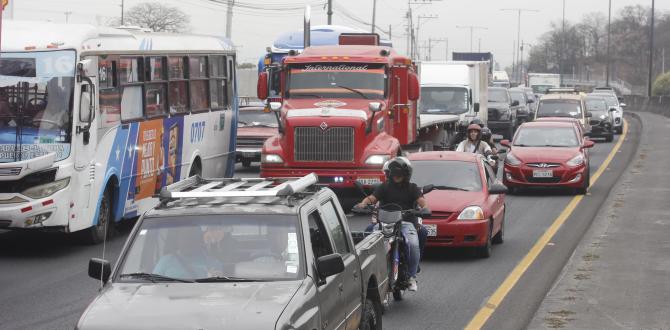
99	269
329	265
262	86
413	88
476	107
531	101
515	103
375	106
275	106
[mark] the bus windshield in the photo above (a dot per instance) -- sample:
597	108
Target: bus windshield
337	80
36	90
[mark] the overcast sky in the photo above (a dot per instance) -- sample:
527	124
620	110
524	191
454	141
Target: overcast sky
254	29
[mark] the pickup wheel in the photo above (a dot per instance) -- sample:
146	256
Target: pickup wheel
371	319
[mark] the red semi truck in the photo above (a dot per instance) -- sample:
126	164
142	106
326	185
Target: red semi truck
345	110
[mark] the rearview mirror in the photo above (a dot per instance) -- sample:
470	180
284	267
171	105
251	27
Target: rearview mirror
515	103
498	189
427	188
262	86
589	114
329	265
475	107
505	143
588	144
86	104
99	269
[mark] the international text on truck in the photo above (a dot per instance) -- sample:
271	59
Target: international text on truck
94	121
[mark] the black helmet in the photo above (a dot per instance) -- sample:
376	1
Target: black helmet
477	121
486	134
398	166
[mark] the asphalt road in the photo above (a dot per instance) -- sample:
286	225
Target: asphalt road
44	282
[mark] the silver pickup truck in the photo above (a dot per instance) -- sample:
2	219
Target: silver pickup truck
242	254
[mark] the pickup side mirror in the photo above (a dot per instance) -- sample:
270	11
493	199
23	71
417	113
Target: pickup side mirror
589	114
588	144
475	107
262	86
505	143
329	265
515	103
498	189
427	188
99	269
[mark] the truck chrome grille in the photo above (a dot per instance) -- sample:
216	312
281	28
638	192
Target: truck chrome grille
334	144
255	142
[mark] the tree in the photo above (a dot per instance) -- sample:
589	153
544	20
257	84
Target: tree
157	17
661	85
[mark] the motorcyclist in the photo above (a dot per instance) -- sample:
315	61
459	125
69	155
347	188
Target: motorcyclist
487	136
400	191
475	144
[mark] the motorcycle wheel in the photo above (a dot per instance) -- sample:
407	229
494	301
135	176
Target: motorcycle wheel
397	294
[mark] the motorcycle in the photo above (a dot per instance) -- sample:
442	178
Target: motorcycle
389	222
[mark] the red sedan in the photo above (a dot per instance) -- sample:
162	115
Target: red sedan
468	202
547	154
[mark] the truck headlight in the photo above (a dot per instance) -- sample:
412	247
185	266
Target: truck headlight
510	159
271	159
504	114
47	189
576	161
472	213
376	159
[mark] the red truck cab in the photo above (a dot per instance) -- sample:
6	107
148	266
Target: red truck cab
345	110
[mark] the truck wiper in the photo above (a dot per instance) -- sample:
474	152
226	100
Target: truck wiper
225	279
303	94
449	188
353	90
155	277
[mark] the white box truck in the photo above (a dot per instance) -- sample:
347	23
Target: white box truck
541	82
452	94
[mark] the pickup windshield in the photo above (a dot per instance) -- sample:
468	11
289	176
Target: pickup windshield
36	90
546	137
462	175
215	248
337	80
443	100
559	108
253	118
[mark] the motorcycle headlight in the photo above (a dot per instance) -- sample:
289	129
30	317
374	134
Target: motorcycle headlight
576	161
47	189
376	159
472	213
271	159
510	159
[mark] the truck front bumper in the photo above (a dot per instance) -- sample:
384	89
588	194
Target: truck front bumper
335	178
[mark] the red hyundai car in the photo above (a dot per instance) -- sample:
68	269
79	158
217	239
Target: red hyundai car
547	154
467	203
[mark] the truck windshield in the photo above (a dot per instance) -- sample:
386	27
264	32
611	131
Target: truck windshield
36	90
438	100
498	95
244	247
559	108
337	80
462	175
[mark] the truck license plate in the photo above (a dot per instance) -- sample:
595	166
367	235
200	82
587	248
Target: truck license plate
543	173
369	181
432	230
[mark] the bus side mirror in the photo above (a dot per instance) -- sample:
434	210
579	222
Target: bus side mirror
262	86
86	108
413	88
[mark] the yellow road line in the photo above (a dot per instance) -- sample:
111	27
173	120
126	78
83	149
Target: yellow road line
499	295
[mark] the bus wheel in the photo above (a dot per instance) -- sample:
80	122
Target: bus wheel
98	232
196	169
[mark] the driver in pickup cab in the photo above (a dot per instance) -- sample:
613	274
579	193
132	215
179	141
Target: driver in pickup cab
398	191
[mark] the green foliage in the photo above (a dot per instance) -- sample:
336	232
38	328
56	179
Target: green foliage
662	85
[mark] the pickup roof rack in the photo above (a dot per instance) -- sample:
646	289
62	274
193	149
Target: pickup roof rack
197	187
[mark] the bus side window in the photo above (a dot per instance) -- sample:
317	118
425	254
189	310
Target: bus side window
230	80
109	95
217	82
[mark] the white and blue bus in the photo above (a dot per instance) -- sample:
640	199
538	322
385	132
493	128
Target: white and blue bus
94	121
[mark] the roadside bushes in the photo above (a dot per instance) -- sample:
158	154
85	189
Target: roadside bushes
662	85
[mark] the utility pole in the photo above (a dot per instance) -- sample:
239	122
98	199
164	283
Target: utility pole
412	41
446	57
330	13
418	26
514	59
560	61
521	61
374	12
479	48
390	35
430	46
651	50
609	33
67	16
122	10
229	18
518	31
471	28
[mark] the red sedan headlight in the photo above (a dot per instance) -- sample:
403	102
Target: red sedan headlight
472	213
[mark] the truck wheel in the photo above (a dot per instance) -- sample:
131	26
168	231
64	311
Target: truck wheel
485	250
397	294
370	319
427	146
97	233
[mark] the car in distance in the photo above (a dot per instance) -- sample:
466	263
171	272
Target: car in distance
254	126
502	112
242	254
547	154
467	202
613	102
602	120
524	111
564	103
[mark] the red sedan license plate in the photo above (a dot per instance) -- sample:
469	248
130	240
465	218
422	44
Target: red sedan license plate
543	173
432	230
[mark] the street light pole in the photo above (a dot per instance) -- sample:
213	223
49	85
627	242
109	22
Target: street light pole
651	50
374	12
518	32
560	61
122	10
471	28
609	33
